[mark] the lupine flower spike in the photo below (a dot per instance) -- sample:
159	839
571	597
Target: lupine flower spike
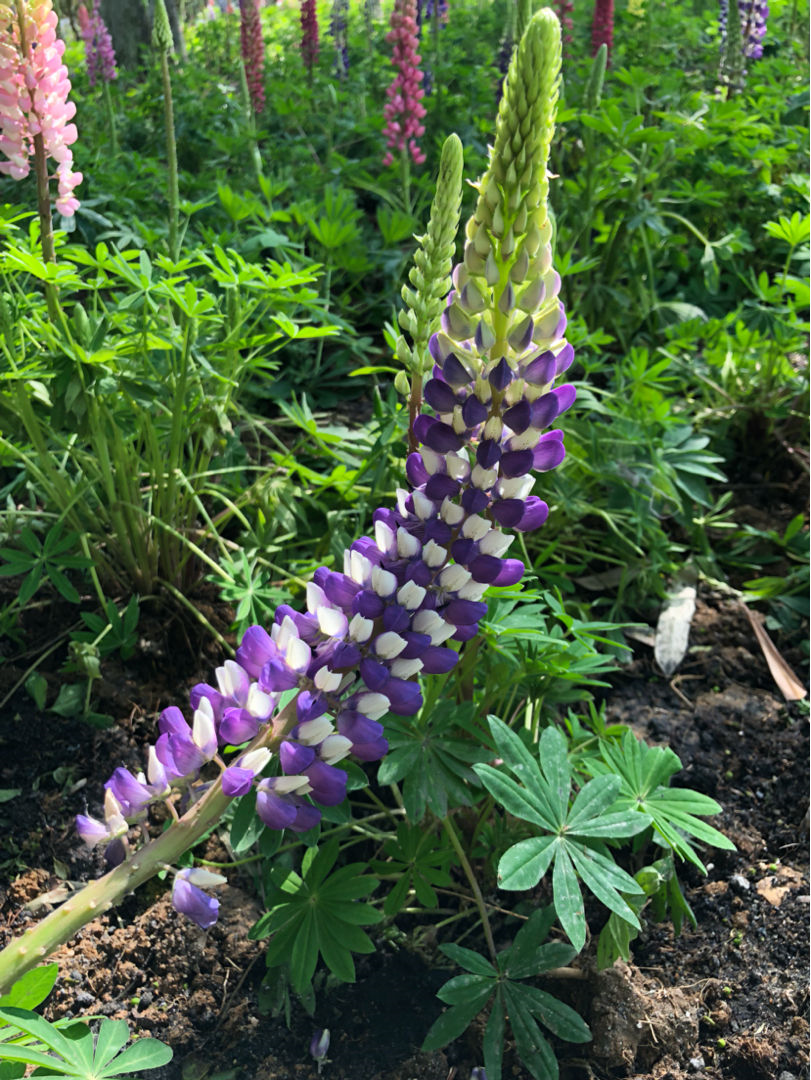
406	598
98	46
602	27
404	110
742	24
34	106
309	33
253	52
338	28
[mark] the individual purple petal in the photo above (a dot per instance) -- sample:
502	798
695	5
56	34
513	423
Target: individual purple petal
563	360
374	674
515	463
455	371
438	661
295	758
306	815
187	757
512	570
328	783
396	618
237	726
544	410
275	810
488	453
404	696
340	589
518	418
441	437
463	550
346	655
508	512
255	649
309	706
172	721
370	751
417	644
436	350
416	473
467	632
441	486
535	514
566	396
131	794
91	830
474	500
439	396
440	532
549	452
541	370
501	376
464	612
368	604
276	676
358	728
193	902
485	568
474	412
366	546
421	425
236	781
116	852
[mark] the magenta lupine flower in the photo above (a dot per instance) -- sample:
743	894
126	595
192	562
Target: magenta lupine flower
602	27
253	51
34	88
309	33
98	45
404	110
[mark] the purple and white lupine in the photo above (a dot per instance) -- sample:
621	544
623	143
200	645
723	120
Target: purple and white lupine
338	19
405	599
741	38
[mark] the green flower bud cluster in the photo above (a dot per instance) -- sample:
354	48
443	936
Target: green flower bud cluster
430	276
162	39
506	289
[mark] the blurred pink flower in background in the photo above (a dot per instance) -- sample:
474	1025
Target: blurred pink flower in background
404	110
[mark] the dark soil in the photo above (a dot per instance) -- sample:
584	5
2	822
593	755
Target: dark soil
727	1001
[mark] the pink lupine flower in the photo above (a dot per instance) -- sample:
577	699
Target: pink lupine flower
602	27
404	110
253	51
309	33
98	46
34	88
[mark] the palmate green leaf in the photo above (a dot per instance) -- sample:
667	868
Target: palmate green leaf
493	1040
32	988
604	878
81	1039
467	988
555	766
533	1049
143	1054
559	1018
113	1034
450	1025
519	801
524	864
34	1025
468	959
568	899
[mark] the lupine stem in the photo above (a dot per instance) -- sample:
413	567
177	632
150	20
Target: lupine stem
171	155
99	896
45	221
474	885
108	104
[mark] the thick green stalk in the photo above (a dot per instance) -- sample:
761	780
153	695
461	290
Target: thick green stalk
162	41
99	896
108	105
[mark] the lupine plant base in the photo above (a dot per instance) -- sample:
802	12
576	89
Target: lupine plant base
201	991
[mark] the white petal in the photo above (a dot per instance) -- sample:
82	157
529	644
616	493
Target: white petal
298	655
287	785
259	704
406	669
373	705
433	555
516	487
483	478
526	440
360	569
327	680
432	461
494	428
332	622
495	543
255	760
423	506
407	545
316	597
454	577
313	732
383	581
384	537
475	527
474	590
388	645
334	748
202	878
410	595
458	424
450	513
457	465
360	629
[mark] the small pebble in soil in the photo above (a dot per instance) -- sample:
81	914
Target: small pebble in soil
740	882
83	999
786	1076
696	1064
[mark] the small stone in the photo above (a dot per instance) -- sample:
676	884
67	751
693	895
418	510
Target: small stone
786	1076
696	1064
740	882
83	999
146	999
